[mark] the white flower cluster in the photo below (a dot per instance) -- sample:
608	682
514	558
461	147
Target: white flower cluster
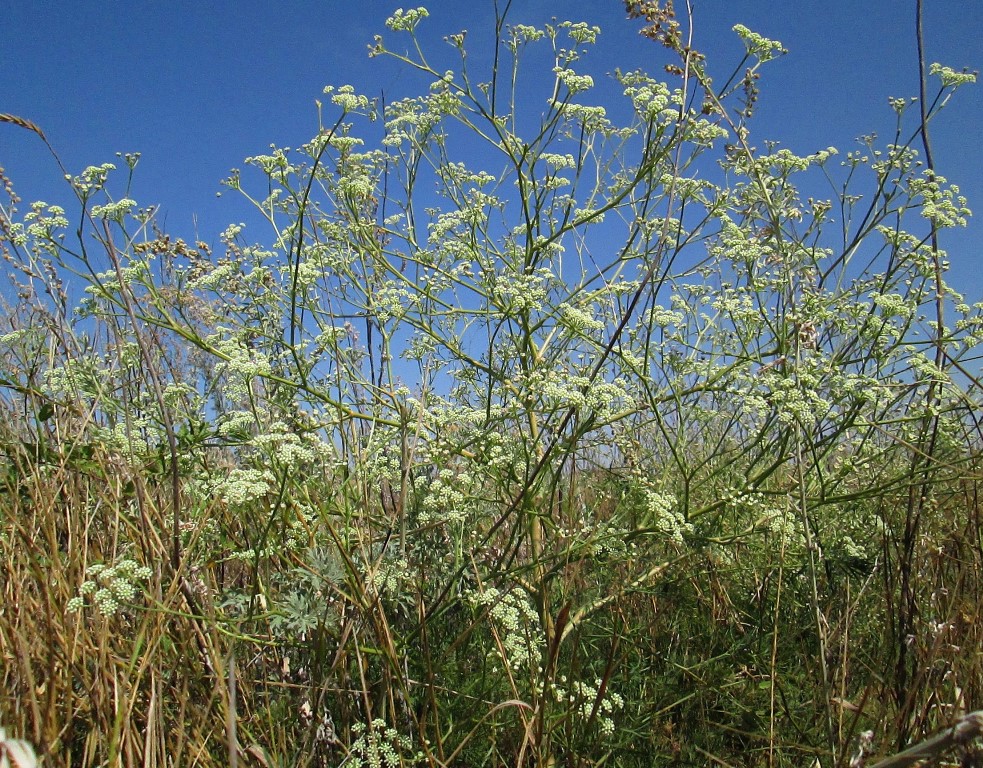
652	100
380	460
561	390
579	320
943	205
346	98
311	268
275	163
581	32
746	499
240	364
445	501
598	538
379	746
573	82
237	424
346	143
658	316
357	184
108	585
785	162
515	293
43	220
19	335
390	577
893	305
92	178
133	439
795	401
591	119
414	120
759	46
498	451
523	33
74	378
460	175
785	527
391	302
245	486
950	78
738	245
114	211
583	698
559	162
406	21
588	216
290	449
662	514
521	632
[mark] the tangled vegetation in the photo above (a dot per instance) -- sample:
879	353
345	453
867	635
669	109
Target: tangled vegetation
611	445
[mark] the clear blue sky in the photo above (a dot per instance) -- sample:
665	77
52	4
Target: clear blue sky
195	87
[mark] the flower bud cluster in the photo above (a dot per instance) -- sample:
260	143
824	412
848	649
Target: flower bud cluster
108	586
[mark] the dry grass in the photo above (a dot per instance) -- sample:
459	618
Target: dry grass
139	688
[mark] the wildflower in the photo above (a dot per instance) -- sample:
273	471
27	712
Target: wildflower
406	21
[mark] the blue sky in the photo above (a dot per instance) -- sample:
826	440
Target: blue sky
195	87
